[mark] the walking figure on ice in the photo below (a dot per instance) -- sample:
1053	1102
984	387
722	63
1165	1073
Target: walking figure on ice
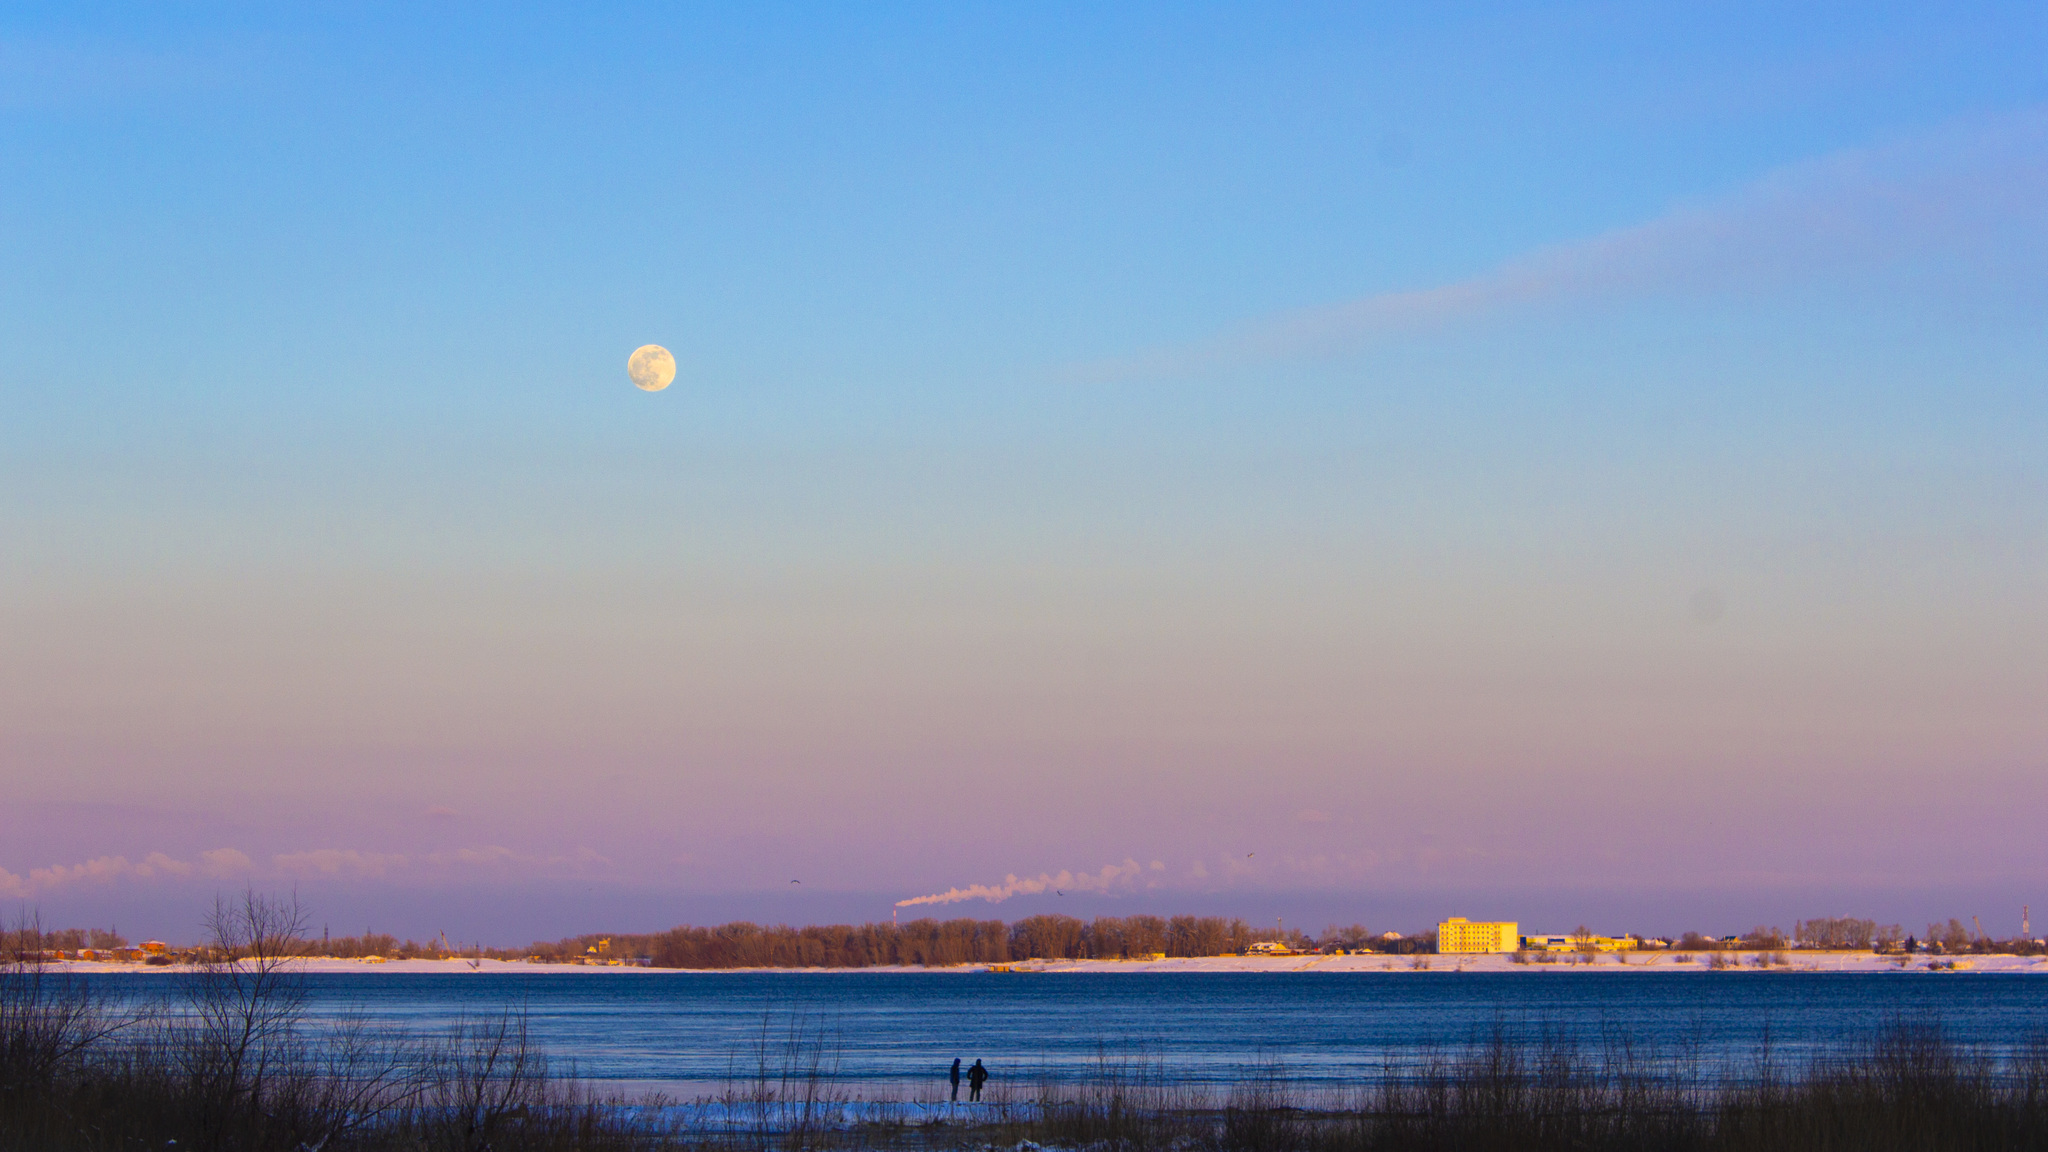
976	1077
956	1079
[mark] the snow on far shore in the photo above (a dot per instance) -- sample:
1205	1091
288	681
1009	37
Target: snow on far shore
1421	965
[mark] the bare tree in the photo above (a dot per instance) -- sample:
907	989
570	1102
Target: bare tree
1763	937
1351	939
1835	932
260	1077
1952	937
247	1003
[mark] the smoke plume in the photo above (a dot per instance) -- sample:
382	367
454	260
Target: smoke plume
1111	876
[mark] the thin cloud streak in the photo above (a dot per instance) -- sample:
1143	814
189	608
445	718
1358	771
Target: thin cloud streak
1969	187
350	862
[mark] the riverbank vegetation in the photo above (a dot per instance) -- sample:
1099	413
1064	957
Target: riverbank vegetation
230	1060
1907	1087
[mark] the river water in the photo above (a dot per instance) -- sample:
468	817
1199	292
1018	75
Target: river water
892	1035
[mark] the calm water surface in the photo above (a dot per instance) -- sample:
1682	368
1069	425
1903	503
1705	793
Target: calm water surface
891	1035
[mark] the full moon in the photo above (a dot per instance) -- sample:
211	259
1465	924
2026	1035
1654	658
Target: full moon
651	367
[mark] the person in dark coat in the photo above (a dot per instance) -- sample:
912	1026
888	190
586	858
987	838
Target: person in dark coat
956	1079
976	1077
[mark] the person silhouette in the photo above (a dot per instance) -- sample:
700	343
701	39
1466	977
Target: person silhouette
976	1077
956	1079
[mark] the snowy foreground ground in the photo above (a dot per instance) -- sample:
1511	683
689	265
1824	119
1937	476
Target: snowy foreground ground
1744	962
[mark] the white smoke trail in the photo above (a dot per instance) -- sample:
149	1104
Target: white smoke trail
1109	877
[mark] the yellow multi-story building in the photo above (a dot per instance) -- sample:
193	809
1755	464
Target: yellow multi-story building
1461	935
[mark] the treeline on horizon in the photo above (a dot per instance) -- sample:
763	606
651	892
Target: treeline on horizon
934	943
923	942
927	942
918	943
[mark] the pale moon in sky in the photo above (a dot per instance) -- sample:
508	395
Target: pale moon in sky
651	367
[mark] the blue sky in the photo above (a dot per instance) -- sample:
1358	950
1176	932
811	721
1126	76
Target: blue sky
1581	458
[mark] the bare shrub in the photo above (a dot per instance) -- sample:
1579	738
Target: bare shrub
51	1027
480	1081
787	1094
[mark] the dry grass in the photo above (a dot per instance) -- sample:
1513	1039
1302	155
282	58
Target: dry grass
1908	1088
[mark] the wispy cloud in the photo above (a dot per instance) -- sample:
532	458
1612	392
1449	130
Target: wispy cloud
218	863
224	862
339	861
481	856
354	862
1970	188
232	863
1126	875
351	862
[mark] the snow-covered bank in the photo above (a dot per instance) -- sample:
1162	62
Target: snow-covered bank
1422	965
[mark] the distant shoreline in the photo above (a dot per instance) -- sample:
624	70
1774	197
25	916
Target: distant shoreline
1368	964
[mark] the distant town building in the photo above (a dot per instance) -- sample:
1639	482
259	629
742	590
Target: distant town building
1579	943
1461	935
